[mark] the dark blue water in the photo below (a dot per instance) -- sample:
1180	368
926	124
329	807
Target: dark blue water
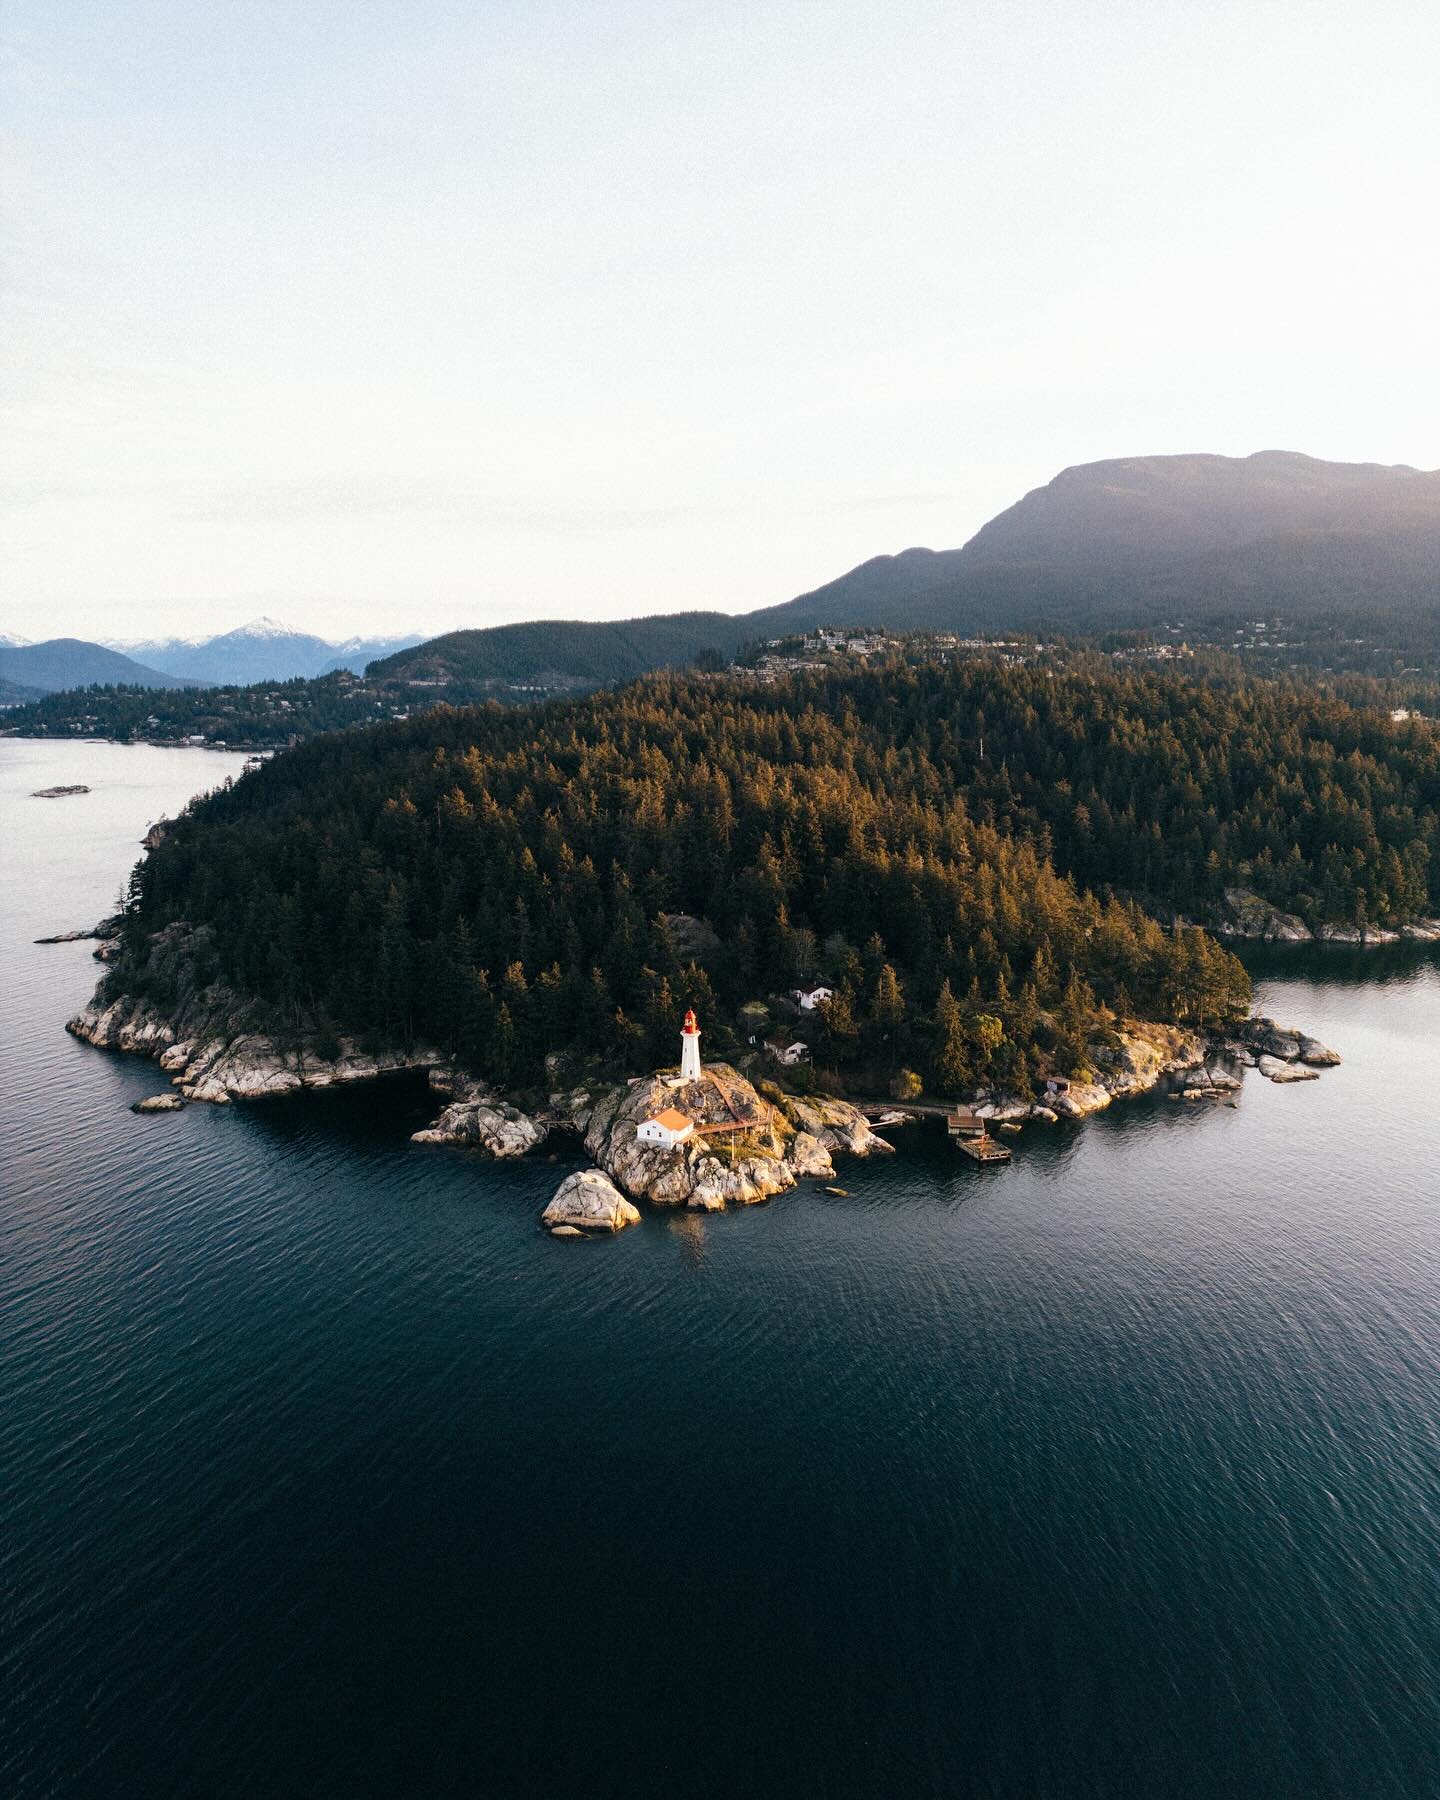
1113	1473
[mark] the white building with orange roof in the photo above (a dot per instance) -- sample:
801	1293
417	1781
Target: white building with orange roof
667	1130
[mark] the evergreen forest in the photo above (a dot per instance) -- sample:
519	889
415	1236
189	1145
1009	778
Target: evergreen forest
974	857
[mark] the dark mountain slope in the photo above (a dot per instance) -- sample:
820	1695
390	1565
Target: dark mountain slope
1154	511
71	662
1131	541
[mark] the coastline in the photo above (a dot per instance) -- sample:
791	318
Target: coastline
215	1050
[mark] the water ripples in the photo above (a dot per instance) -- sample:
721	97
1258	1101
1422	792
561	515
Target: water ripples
1115	1472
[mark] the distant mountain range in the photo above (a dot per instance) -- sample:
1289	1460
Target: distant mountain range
1134	542
263	650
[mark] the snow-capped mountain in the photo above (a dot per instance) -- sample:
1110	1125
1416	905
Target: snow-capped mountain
265	649
12	640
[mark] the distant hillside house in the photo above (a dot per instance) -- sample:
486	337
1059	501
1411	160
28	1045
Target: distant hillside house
809	998
787	1051
668	1129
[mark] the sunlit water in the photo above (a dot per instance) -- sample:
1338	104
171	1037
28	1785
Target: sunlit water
1115	1472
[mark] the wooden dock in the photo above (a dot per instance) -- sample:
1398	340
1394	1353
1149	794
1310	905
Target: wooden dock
969	1134
984	1150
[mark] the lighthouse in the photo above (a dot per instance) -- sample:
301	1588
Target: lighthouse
690	1049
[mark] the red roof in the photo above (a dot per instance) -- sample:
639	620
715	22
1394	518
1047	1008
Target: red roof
690	1025
671	1120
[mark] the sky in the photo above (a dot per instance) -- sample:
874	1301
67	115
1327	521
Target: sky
411	317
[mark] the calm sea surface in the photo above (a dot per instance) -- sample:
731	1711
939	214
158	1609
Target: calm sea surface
323	1473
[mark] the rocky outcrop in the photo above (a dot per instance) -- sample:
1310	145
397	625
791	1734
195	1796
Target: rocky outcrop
1261	1037
744	1149
1132	1059
1275	1068
158	1103
1210	1084
571	1110
1081	1099
256	1068
214	1045
1142	1055
836	1125
1002	1109
477	1119
808	1156
588	1201
59	793
126	1024
107	930
1423	931
1248	916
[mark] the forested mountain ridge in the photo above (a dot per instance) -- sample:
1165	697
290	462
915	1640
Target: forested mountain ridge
579	652
947	846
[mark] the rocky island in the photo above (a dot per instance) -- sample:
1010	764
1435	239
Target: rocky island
867	913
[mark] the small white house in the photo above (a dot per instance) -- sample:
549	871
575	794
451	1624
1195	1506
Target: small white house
787	1051
810	998
666	1130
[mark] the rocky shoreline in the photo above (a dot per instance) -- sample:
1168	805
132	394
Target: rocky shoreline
1247	916
745	1145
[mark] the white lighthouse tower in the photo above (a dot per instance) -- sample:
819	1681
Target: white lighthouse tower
690	1049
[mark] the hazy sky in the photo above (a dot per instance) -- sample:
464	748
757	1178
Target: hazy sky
418	315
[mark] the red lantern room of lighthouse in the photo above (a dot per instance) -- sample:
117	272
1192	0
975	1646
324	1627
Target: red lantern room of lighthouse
690	1049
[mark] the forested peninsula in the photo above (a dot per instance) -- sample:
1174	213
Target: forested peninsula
990	869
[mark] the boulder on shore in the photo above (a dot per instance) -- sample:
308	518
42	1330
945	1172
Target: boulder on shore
1081	1099
1274	1068
478	1120
158	1103
1138	1054
1265	1038
1318	1055
835	1125
1248	916
588	1201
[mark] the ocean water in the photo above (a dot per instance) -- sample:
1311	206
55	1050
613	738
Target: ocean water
322	1472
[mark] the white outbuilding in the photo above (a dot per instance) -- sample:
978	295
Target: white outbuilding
810	998
666	1130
